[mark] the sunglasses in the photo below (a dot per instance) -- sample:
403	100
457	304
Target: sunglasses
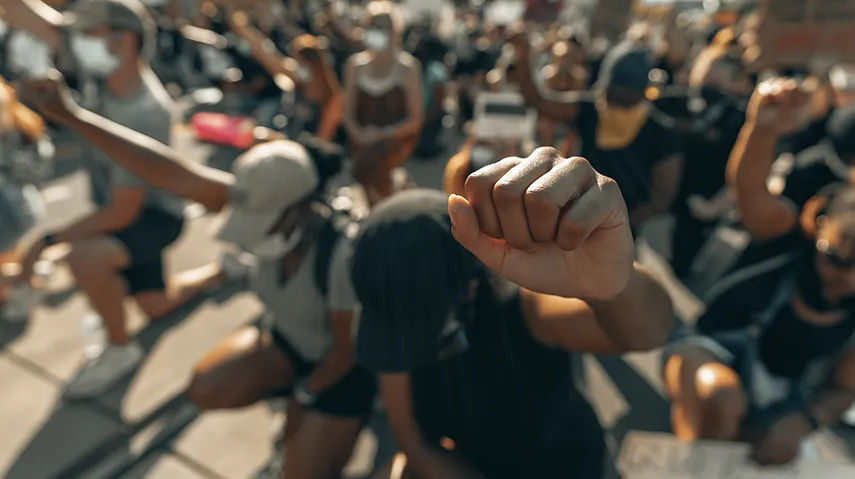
833	257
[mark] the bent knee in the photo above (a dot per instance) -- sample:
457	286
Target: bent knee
211	391
720	390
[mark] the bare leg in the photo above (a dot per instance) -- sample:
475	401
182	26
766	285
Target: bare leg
96	263
321	446
708	401
242	370
180	289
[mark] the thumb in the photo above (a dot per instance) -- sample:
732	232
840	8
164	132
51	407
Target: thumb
464	221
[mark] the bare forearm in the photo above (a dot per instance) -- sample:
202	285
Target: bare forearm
145	157
639	318
751	160
38	18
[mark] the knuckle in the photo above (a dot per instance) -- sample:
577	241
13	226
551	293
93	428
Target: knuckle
505	192
540	199
478	183
572	226
546	153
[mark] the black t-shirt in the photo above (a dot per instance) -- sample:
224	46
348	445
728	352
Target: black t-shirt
706	144
809	174
508	401
632	166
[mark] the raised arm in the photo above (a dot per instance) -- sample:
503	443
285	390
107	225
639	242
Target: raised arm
263	49
613	326
34	16
561	106
146	158
774	109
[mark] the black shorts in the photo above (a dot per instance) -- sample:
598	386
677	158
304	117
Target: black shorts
737	350
352	397
152	232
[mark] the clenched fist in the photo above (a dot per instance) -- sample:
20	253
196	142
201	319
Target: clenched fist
548	223
781	105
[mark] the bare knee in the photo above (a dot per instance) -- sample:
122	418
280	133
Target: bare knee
208	391
720	392
93	256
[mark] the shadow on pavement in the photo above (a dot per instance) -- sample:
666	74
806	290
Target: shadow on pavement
9	332
81	434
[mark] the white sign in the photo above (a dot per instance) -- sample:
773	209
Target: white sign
647	455
503	115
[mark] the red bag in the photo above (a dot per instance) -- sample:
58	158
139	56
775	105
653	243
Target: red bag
222	129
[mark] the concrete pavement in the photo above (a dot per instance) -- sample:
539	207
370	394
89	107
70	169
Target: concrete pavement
146	428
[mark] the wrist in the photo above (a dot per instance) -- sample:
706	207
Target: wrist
758	130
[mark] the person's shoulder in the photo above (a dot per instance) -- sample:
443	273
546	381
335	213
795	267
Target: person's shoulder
409	62
358	60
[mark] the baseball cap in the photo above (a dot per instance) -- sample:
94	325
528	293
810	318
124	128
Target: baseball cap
123	15
627	65
409	274
269	178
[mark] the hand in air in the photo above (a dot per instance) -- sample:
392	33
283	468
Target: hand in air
548	223
50	96
781	105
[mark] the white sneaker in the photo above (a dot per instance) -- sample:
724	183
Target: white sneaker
101	373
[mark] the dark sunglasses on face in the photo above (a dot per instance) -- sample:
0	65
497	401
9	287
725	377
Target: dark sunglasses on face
833	257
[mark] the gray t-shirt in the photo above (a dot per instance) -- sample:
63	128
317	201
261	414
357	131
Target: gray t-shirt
297	310
149	111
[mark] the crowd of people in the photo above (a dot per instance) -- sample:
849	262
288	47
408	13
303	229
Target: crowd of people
459	310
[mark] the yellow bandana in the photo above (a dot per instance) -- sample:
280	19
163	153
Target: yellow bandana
618	127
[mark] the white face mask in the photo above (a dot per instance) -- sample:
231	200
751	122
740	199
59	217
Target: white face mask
376	39
94	55
276	246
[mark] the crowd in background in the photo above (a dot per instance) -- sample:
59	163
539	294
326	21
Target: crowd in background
458	311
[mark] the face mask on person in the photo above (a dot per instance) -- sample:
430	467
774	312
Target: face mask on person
276	245
376	40
94	55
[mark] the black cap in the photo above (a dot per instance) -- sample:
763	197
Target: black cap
409	274
627	65
841	131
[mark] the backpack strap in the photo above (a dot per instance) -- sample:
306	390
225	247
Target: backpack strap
339	223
